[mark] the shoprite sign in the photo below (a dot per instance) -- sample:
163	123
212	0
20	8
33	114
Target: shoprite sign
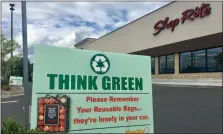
189	14
76	91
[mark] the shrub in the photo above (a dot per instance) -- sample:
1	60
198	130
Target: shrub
10	126
4	82
6	87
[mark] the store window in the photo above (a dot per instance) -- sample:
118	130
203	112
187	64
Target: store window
199	61
185	62
162	64
153	65
170	64
166	64
206	60
214	56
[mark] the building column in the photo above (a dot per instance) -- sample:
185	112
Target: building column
156	66
176	63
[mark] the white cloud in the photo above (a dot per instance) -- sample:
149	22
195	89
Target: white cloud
119	24
63	23
68	39
31	58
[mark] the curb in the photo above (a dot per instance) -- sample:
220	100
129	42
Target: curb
189	82
9	96
187	85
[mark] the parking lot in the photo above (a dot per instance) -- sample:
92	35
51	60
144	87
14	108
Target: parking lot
187	109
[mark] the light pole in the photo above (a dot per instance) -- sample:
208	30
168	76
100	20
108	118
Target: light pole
25	64
11	8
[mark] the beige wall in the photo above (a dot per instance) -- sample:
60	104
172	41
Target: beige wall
139	34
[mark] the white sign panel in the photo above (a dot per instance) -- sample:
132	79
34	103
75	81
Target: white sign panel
15	81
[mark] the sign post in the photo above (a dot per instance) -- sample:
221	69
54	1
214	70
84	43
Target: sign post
76	91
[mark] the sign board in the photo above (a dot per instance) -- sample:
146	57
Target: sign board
53	113
51	116
189	14
97	92
15	81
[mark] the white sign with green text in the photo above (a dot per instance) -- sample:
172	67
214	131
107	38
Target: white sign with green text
81	91
15	80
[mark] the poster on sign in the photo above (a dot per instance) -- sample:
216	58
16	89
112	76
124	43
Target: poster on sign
81	91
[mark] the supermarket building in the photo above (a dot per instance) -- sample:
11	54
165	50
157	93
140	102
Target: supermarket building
184	40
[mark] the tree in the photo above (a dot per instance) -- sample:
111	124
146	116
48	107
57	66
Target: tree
5	50
6	47
17	61
18	67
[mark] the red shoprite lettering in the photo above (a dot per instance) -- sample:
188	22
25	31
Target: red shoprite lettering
189	14
165	24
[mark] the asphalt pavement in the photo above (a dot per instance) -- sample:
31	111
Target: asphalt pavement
12	107
177	109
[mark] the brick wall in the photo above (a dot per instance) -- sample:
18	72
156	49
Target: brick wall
177	75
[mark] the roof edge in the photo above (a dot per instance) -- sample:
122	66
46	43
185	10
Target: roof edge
134	21
192	39
85	39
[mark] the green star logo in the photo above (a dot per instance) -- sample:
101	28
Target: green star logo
100	64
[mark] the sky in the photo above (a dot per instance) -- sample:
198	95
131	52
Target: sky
63	24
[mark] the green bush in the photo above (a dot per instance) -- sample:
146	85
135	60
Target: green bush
5	87
4	82
10	126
